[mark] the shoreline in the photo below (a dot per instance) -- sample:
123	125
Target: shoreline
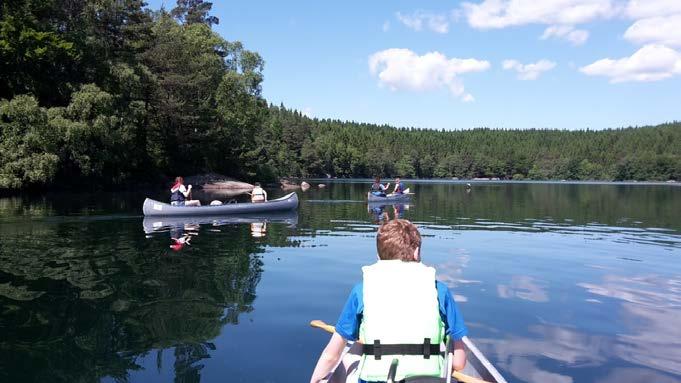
490	182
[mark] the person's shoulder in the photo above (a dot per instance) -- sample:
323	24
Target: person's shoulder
442	288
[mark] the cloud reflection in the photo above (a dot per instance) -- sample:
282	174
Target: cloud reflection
523	287
525	357
651	309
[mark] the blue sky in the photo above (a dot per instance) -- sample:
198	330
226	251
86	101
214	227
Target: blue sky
445	64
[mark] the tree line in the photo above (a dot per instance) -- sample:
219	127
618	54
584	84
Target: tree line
107	92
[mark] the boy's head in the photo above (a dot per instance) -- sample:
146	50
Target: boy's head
398	239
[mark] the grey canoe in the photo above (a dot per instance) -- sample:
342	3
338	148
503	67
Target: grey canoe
160	224
390	197
477	366
156	208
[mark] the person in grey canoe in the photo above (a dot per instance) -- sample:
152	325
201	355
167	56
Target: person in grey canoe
180	195
399	186
377	188
399	311
258	194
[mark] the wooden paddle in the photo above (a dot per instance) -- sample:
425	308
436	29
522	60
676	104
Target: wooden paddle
461	377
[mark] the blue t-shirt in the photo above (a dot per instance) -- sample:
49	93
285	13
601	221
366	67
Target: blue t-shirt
347	325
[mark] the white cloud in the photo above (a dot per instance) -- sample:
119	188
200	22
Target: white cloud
506	13
566	32
529	71
402	69
663	30
419	19
638	9
652	62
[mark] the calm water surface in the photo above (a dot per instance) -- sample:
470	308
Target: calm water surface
557	283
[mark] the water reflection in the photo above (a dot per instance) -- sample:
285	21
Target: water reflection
523	287
182	229
81	301
558	283
381	212
258	229
650	307
646	339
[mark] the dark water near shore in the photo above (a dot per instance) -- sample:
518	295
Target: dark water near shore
557	283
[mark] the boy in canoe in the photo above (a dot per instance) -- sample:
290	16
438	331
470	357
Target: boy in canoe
399	186
399	311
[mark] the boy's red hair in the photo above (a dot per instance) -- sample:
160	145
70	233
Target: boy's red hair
398	239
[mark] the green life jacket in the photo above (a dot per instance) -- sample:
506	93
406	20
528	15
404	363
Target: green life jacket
400	312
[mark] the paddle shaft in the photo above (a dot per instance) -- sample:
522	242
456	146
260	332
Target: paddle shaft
461	377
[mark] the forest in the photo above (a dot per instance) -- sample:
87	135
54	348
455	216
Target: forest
105	93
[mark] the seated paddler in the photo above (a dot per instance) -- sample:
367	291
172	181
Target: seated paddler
379	189
398	312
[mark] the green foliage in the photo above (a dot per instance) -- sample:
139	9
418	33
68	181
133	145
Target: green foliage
194	12
346	149
28	145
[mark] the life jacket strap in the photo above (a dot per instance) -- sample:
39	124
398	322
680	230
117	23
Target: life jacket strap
377	349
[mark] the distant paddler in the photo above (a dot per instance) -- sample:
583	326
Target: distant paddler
180	195
258	194
399	187
379	189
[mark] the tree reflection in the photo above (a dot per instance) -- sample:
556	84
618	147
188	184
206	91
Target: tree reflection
82	301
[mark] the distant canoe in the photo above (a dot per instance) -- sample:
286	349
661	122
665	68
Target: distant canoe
390	197
156	208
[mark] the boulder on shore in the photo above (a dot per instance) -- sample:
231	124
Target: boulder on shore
216	181
290	185
231	185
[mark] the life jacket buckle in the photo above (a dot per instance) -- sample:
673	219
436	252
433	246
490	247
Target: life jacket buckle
377	349
426	348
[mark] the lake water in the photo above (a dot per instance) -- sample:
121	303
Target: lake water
557	282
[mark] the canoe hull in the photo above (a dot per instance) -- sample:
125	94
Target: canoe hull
390	197
477	365
152	208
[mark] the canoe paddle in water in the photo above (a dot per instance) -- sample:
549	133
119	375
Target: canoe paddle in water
461	377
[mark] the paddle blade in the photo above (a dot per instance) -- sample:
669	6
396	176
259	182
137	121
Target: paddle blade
322	325
461	377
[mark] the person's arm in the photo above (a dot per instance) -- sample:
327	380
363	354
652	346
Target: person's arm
459	361
329	358
185	190
264	194
347	327
455	327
